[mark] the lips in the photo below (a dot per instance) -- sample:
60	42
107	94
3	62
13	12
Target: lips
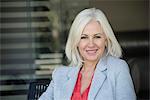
93	51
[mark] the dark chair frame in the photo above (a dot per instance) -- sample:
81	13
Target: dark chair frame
36	88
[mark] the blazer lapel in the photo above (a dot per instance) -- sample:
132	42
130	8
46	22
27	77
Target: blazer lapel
98	79
68	86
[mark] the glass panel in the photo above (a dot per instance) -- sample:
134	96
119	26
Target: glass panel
33	37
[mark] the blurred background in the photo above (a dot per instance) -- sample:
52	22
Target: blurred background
33	34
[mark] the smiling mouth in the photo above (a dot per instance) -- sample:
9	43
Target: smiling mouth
91	51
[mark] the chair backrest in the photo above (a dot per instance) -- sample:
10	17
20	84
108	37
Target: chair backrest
36	88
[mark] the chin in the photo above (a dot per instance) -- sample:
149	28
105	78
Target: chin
92	58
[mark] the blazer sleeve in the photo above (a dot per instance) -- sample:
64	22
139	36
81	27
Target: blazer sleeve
124	85
49	93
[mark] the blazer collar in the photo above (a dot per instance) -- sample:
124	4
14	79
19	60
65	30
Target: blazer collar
98	80
69	85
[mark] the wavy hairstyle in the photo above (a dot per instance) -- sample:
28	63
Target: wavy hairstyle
82	19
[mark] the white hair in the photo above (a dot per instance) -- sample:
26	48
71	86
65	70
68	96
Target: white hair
82	19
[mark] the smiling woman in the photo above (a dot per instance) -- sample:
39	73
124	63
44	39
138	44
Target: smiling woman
96	71
92	43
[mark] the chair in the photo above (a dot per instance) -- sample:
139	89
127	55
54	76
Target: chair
36	88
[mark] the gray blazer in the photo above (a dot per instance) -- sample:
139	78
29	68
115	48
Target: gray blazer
111	81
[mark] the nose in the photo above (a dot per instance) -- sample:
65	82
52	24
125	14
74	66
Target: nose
91	42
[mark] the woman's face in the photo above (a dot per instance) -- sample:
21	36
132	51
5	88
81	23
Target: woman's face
92	43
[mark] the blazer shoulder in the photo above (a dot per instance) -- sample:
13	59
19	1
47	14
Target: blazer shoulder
61	71
117	64
115	60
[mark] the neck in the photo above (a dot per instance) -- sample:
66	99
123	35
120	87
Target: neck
89	66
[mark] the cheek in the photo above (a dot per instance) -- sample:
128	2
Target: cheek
101	44
80	47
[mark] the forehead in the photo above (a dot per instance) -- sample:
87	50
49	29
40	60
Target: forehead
93	27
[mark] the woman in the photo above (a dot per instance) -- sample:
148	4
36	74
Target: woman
96	72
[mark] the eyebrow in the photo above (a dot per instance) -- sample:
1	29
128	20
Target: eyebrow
94	34
99	34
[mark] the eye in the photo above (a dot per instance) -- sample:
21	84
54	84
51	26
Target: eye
84	37
97	36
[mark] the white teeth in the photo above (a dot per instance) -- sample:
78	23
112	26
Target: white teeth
91	51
